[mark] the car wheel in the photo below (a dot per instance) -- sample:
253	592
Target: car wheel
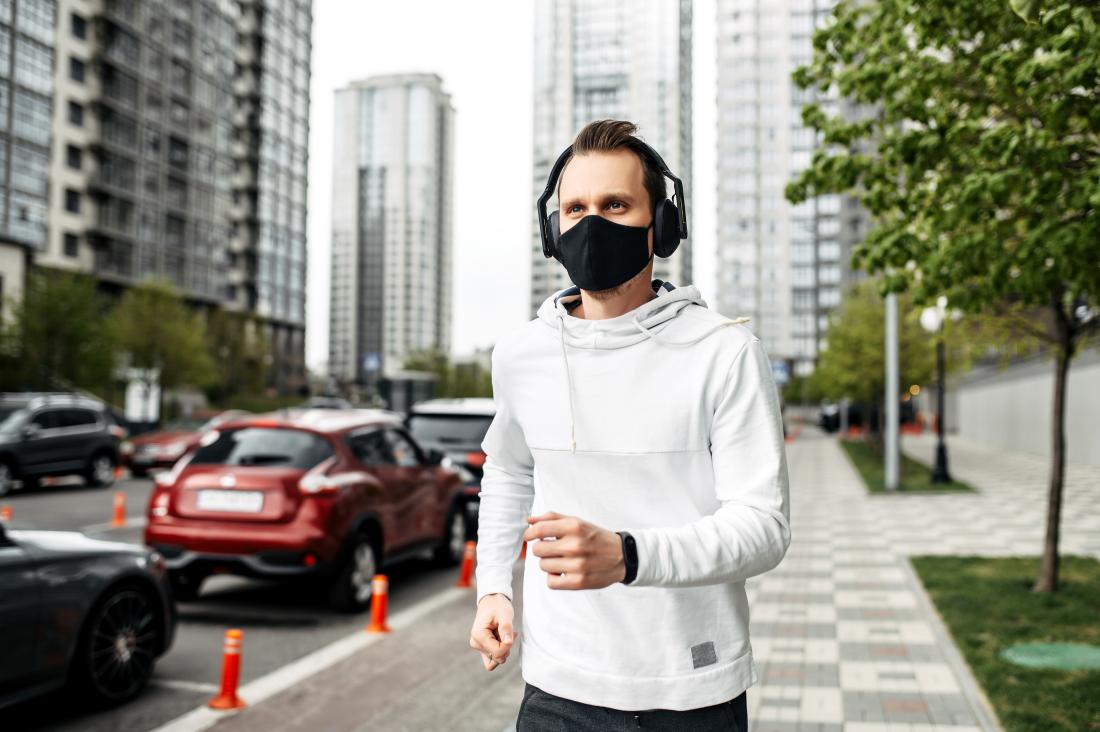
101	470
185	587
118	648
7	479
452	546
351	588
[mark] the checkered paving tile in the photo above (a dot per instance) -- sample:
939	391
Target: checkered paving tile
842	633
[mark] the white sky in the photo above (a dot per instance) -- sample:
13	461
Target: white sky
482	50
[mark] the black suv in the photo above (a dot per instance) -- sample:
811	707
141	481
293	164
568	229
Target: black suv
56	434
456	427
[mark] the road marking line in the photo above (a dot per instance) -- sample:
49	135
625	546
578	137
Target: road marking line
107	526
184	685
295	672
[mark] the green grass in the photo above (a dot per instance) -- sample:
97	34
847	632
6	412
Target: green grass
915	477
988	605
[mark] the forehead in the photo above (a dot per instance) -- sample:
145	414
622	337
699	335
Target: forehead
592	172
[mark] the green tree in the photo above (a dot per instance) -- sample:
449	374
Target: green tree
238	349
58	337
980	165
452	380
156	330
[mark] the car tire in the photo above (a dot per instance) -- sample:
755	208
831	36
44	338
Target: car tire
185	587
7	479
350	590
118	646
452	545
100	470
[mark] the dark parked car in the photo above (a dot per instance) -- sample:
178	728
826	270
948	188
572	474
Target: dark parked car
456	427
324	494
161	449
93	615
56	434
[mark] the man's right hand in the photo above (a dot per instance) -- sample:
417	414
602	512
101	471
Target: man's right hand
492	632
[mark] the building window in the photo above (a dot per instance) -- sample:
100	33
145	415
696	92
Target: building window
72	245
72	157
72	200
79	26
76	114
76	69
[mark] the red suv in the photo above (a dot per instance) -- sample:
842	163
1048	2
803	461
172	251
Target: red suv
325	494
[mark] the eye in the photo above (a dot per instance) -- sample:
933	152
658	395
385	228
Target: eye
613	204
574	208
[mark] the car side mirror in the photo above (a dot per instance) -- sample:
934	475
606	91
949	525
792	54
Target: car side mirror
31	430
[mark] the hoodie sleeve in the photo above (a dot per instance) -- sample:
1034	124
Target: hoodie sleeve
507	492
749	534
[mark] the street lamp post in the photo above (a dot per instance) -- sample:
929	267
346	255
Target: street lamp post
931	319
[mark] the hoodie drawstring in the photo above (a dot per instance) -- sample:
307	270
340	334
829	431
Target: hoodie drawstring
647	332
569	385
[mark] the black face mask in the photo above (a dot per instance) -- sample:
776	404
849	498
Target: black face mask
600	254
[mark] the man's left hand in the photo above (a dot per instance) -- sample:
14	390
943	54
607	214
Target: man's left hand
590	556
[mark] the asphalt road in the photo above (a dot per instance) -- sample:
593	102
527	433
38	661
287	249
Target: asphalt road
280	624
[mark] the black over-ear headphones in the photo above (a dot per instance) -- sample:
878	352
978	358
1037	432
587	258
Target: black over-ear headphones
669	219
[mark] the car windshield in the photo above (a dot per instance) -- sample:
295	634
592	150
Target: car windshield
264	446
183	424
449	428
12	417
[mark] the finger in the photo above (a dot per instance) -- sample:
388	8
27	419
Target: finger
551	527
544	516
489	665
487	643
556	548
504	630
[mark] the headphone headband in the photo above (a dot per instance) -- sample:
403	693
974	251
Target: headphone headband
645	149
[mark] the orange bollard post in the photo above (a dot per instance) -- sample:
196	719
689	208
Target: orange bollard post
231	673
119	518
467	565
380	588
5	513
523	550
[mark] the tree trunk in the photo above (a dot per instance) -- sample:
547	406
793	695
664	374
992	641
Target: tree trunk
1048	570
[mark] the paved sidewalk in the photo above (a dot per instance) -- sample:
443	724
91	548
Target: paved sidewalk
844	635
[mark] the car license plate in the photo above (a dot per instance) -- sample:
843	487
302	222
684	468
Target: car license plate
238	501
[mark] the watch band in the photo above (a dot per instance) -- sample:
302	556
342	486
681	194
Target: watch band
630	556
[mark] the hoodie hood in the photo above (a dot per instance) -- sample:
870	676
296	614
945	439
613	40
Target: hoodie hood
648	320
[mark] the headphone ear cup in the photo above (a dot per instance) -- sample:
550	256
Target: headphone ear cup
666	229
555	235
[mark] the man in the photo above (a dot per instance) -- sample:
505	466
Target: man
643	430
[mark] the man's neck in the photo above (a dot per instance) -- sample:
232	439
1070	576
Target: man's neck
632	297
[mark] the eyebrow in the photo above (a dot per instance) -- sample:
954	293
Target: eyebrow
610	195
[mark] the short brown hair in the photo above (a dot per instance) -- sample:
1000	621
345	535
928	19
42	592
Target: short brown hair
604	135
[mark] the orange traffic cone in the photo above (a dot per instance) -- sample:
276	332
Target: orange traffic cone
5	513
119	518
231	673
380	590
467	564
119	472
523	550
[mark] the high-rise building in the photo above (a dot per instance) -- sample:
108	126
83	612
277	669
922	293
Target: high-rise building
391	225
179	150
783	266
270	149
26	94
618	59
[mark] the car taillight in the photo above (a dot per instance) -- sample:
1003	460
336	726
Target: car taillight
475	458
159	505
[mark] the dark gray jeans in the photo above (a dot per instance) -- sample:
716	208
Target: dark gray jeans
541	711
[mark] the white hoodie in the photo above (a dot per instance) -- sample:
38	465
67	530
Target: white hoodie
663	421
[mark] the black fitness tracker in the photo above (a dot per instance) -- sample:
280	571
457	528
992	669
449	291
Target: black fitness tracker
630	556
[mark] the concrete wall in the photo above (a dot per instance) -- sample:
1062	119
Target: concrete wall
1012	408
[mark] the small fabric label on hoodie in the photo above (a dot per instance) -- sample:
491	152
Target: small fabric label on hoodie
703	654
